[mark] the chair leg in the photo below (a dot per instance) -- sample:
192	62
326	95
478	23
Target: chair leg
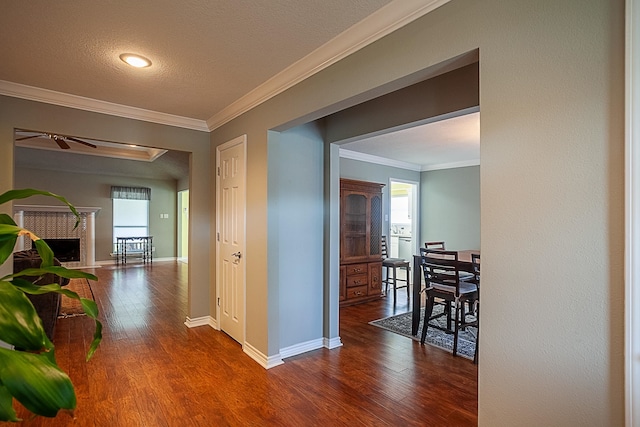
427	314
408	270
386	280
475	353
456	327
395	288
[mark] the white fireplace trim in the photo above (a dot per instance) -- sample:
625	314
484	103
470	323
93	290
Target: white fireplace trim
88	212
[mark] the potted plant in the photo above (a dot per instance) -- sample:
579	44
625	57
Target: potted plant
29	372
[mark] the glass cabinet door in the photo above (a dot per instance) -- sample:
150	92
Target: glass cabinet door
375	238
355	226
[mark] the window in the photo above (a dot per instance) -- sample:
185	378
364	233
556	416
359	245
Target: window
130	212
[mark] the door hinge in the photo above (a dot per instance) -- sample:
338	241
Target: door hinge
218	170
218	301
218	236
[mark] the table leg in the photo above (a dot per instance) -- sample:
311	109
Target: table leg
417	287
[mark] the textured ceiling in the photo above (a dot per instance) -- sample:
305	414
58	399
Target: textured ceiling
205	54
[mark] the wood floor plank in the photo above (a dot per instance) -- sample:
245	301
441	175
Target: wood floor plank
153	371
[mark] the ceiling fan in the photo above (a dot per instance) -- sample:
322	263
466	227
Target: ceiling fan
61	140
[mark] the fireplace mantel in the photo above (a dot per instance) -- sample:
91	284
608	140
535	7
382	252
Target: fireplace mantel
89	213
58	208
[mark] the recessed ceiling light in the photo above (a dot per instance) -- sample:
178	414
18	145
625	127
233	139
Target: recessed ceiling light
135	60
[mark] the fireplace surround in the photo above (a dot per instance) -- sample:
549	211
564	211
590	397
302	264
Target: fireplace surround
56	222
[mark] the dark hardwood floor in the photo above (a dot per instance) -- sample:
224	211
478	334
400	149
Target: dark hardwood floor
151	370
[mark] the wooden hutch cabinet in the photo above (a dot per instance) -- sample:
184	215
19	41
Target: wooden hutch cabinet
360	237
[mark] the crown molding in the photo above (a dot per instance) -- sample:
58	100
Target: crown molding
32	93
369	158
453	165
383	161
384	21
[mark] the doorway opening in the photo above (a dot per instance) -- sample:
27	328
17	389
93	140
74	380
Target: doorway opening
403	214
183	226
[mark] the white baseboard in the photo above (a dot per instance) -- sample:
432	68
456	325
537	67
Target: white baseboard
113	261
201	321
332	343
296	349
263	360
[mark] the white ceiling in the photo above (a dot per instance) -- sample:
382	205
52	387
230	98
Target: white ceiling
212	60
450	142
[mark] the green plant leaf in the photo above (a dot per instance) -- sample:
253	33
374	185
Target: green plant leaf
97	337
28	192
8	237
36	382
20	325
90	307
55	269
7	413
6	219
45	252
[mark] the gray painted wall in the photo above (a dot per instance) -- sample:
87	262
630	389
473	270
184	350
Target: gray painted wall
95	191
552	180
24	114
450	207
295	233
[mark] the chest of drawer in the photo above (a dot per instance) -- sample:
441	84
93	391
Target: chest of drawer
356	269
357	291
357	280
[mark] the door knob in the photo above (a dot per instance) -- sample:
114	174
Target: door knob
238	255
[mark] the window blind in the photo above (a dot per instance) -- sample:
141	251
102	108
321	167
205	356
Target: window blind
131	193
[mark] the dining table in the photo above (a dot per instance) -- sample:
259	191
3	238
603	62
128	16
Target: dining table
464	264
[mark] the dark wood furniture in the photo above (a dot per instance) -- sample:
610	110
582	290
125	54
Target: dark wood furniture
464	265
360	241
475	262
434	245
391	266
442	282
141	246
47	305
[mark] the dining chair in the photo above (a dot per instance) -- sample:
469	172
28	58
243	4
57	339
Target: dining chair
440	246
434	245
392	265
442	282
475	261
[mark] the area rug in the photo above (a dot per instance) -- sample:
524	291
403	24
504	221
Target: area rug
401	324
71	307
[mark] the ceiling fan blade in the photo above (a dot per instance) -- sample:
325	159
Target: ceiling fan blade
28	137
61	143
88	144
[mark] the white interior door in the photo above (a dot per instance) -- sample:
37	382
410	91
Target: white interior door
231	160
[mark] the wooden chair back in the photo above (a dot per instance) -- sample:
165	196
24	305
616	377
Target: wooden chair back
434	245
475	261
440	270
383	247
